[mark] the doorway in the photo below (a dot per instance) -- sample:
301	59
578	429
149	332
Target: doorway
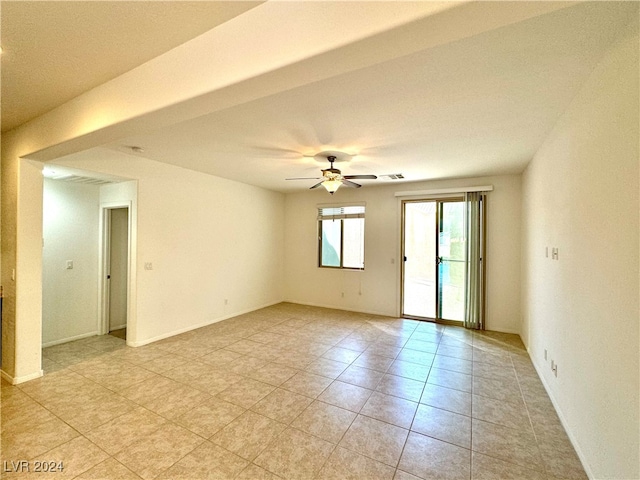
116	271
433	267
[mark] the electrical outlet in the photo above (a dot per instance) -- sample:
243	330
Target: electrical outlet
554	369
342	294
545	353
226	301
148	266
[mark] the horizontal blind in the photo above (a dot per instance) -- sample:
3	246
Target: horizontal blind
340	212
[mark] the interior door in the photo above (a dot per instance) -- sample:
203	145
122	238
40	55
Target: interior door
433	266
117	274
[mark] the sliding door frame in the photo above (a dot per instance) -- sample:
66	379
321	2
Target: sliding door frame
438	201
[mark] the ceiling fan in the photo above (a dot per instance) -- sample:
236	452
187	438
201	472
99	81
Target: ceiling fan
332	178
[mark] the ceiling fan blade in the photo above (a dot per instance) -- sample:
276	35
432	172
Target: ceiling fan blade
304	178
361	177
347	183
316	185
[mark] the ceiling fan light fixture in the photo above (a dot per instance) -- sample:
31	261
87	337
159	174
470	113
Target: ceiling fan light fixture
332	177
332	186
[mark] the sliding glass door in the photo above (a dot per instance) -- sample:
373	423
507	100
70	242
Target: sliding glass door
419	269
451	261
433	271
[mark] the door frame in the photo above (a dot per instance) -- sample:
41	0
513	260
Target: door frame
104	259
403	202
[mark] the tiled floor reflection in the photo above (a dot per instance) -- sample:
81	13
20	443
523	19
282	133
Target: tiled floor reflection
290	392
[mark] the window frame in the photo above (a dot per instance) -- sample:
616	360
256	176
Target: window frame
340	217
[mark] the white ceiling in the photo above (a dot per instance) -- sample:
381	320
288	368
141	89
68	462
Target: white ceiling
478	106
56	50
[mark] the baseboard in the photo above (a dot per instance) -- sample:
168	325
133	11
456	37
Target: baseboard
505	330
200	325
16	380
337	307
563	420
118	327
372	312
69	339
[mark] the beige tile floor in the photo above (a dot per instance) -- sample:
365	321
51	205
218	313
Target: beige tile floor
290	392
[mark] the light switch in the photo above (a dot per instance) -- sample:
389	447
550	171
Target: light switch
69	264
554	253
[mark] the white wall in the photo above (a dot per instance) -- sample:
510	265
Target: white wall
27	286
208	239
376	289
580	194
70	229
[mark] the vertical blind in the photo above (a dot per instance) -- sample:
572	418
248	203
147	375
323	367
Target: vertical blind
475	203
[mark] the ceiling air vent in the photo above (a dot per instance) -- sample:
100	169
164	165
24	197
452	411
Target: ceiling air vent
81	179
393	176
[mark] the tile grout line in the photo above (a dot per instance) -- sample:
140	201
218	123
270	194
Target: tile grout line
358	330
535	435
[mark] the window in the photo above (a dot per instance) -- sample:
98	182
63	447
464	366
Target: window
341	237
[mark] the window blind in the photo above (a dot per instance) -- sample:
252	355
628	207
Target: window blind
340	212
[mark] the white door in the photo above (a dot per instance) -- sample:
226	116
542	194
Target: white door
117	269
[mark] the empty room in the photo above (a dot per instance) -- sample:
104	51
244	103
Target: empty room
320	240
